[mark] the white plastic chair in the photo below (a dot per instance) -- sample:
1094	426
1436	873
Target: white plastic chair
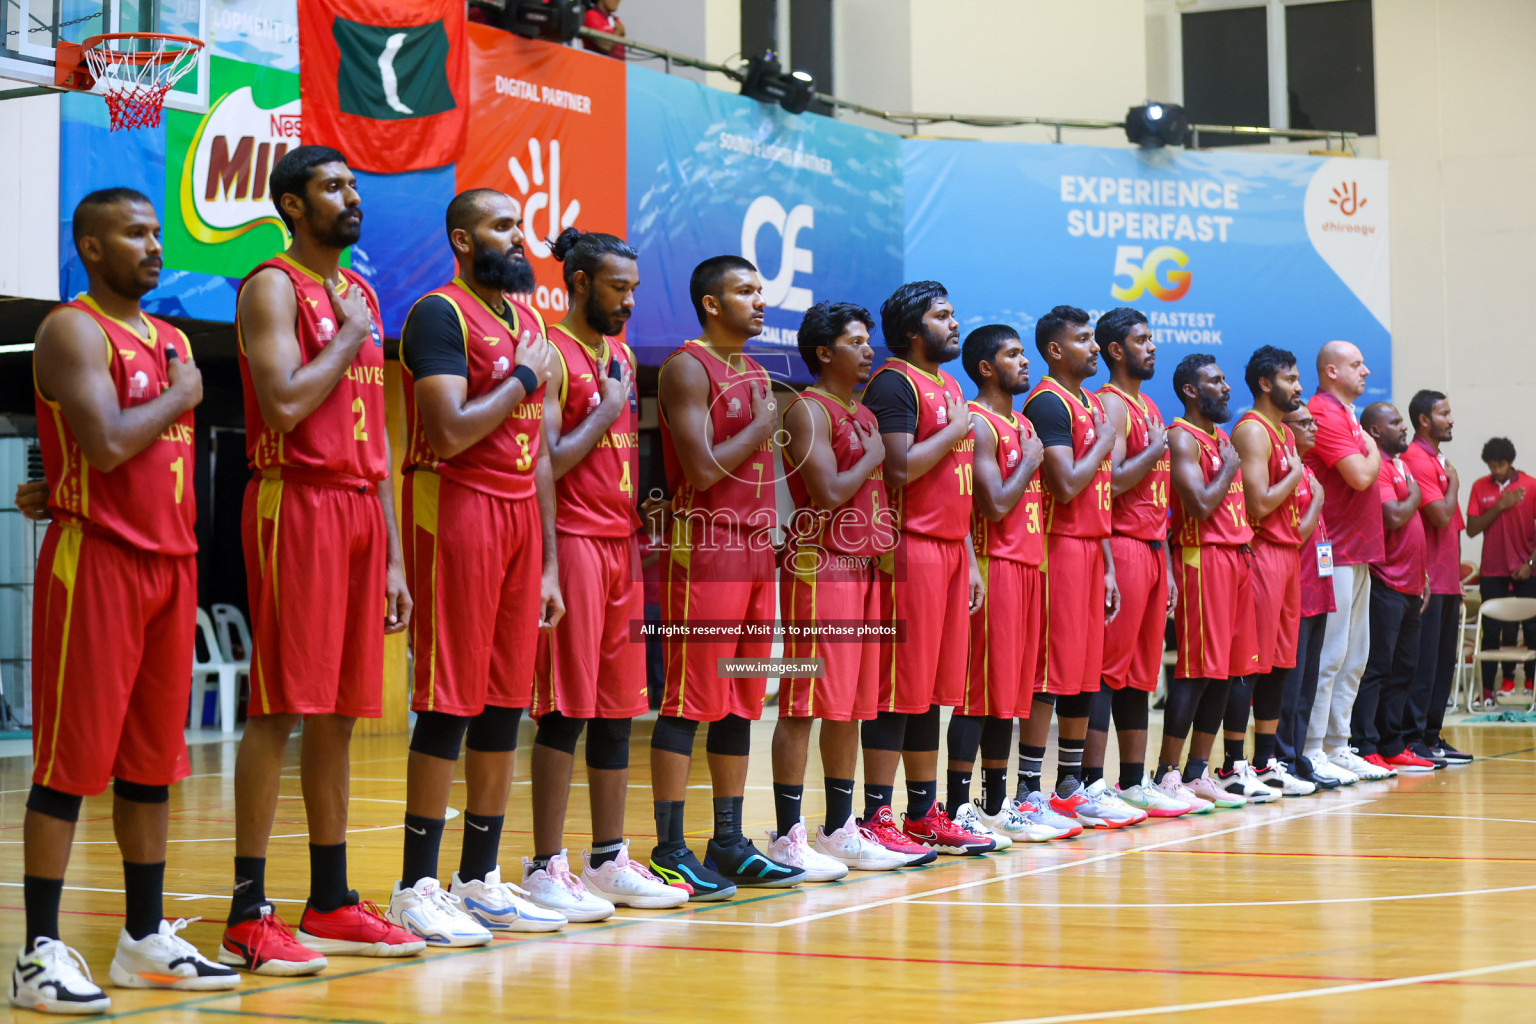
1505	609
217	667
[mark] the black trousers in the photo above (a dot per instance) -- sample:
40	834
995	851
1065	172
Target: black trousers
1505	634
1376	724
1439	648
1300	691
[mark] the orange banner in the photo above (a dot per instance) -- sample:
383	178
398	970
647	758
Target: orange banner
547	126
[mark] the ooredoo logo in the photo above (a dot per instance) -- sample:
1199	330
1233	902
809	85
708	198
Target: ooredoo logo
1147	274
1346	197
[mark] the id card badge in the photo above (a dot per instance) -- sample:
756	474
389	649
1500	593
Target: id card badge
1324	558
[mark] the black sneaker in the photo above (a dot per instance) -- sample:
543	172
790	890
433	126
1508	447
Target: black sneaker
1420	750
1303	770
1450	754
742	864
682	869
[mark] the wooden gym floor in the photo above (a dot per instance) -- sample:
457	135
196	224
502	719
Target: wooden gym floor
1408	899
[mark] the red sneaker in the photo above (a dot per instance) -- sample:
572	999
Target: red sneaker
1507	688
1380	762
266	945
357	929
1409	763
883	827
937	831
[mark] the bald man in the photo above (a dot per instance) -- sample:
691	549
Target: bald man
1347	462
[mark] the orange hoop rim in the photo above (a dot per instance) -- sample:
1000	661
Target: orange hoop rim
141	57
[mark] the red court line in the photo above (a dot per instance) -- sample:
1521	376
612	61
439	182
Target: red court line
1097	968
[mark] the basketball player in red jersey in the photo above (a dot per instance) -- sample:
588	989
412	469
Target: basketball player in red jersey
841	526
319	510
116	599
717	418
1214	572
480	561
931	581
1279	505
1008	533
1080	591
1133	640
590	677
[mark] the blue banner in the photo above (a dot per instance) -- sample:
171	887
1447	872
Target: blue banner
814	203
1222	252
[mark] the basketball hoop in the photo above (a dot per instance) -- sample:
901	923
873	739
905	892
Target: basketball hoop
133	75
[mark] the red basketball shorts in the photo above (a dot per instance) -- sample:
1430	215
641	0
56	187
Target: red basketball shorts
925	592
1074	614
1276	604
1005	641
720	581
817	585
473	563
587	667
1215	612
315	559
113	629
1133	641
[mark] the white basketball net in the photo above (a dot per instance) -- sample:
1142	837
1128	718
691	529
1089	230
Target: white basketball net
134	81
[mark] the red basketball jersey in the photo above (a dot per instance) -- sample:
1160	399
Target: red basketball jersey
1087	515
1229	523
1283	525
1142	511
346	432
146	502
596	497
1020	535
502	462
744	498
862	525
938	503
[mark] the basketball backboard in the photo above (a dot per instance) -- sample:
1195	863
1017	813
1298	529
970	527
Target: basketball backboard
31	30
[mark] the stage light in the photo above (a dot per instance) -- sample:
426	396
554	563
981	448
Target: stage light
1157	124
767	82
556	20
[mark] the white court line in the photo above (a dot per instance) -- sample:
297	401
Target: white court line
179	895
1062	866
1255	903
1277	997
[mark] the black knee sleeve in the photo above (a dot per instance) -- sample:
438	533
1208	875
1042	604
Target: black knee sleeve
438	734
885	731
1212	709
608	744
674	735
1099	709
494	730
729	737
996	739
964	737
923	731
559	732
1183	698
1048	699
1130	709
140	794
54	803
1268	691
1074	705
1239	704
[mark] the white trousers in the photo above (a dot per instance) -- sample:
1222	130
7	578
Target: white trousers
1346	646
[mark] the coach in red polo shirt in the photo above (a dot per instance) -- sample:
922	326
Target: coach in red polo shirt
1430	415
1502	505
1347	463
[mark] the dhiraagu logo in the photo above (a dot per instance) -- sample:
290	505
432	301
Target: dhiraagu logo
223	190
1161	272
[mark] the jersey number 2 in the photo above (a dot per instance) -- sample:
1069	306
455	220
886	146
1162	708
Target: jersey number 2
359	433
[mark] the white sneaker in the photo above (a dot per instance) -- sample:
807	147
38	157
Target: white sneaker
1277	776
794	849
1206	788
969	818
55	979
1173	785
628	883
1103	793
1322	767
1153	801
555	888
502	906
166	960
433	915
856	847
1243	782
1010	822
1350	761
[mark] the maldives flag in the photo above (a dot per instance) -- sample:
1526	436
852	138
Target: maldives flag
387	83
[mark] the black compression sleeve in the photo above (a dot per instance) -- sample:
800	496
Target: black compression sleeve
432	342
1048	415
890	397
